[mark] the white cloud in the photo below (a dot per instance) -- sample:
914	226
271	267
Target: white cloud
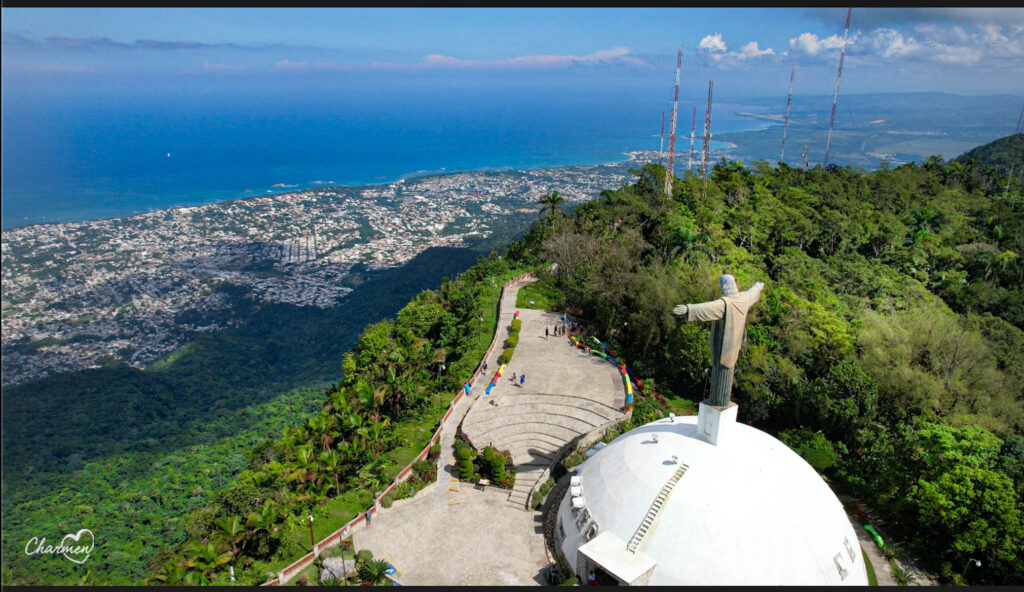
289	65
615	55
715	51
810	44
751	50
712	43
925	42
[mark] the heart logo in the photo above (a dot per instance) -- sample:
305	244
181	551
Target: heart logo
77	549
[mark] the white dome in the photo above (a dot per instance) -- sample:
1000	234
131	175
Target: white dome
748	511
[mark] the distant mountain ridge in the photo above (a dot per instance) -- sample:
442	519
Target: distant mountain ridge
1004	154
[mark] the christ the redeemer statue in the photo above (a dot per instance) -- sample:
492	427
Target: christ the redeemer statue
729	314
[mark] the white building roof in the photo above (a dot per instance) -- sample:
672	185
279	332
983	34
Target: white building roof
748	511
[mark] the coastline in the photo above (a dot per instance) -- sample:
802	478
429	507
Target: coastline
292	189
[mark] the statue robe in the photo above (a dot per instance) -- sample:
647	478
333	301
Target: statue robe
729	314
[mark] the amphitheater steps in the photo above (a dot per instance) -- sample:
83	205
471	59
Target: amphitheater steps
534	428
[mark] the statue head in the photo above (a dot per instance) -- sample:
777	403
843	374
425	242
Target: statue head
728	285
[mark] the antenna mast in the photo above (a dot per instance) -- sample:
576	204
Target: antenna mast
1020	122
842	54
672	128
785	125
805	155
661	146
693	129
707	139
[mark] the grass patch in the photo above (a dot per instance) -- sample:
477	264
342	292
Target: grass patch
543	295
872	579
169	359
681	405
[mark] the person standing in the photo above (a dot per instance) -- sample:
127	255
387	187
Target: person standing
545	332
522	379
513	378
368	518
468	389
485	366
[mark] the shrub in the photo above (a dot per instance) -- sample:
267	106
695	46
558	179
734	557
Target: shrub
425	470
546	486
387	501
435	452
536	501
513	340
374	572
506	356
405	490
363	556
465	464
498	468
517	325
817	450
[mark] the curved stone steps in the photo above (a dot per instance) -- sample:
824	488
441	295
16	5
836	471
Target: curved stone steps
525	420
520	440
515	409
497	435
514	399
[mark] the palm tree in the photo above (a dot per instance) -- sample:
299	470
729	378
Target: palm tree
206	558
692	242
261	527
230	531
332	463
374	572
550	203
173	574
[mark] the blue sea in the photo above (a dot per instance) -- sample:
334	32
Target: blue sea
100	155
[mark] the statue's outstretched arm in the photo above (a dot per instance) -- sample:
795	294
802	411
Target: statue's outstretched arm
705	311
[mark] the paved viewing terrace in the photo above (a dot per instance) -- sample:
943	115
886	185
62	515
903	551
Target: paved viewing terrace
452	533
567	393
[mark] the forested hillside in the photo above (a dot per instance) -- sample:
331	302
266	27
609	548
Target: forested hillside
997	158
887	344
130	453
887	348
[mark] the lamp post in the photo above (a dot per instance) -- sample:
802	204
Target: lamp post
312	540
344	567
976	562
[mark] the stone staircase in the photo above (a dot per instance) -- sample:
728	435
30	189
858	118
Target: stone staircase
652	513
534	427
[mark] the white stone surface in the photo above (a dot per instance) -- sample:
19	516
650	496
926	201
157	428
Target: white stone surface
748	511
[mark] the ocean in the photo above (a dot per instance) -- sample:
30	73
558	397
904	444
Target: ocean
91	156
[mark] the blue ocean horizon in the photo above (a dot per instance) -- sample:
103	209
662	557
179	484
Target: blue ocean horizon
87	158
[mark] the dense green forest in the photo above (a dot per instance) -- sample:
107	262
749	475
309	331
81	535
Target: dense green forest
888	339
131	453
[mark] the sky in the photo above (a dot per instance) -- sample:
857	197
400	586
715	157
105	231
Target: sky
746	51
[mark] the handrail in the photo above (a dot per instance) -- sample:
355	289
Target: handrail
288	572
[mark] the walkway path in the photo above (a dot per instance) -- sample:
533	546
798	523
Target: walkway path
567	393
451	533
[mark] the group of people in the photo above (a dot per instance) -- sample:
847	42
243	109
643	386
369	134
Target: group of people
560	330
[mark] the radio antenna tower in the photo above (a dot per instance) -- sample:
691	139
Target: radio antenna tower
842	54
805	155
785	125
661	146
707	139
1020	122
672	128
693	130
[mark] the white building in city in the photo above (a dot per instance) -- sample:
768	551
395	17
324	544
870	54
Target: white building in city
705	501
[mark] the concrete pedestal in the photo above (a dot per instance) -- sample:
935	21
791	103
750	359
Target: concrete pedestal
714	421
